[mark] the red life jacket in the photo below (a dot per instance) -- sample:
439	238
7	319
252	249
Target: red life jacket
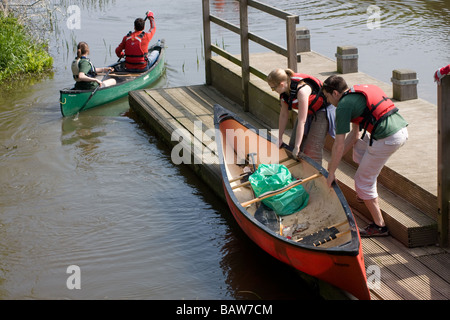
135	58
379	107
316	99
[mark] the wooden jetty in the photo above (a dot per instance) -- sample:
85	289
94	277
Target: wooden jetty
407	265
406	273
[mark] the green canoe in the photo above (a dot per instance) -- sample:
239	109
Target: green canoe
73	101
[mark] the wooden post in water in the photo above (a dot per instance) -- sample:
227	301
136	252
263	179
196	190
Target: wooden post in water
404	84
245	56
443	160
207	41
347	59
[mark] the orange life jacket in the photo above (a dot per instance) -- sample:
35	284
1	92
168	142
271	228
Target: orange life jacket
316	99
379	107
135	58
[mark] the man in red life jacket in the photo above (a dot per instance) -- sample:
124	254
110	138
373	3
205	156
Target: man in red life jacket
134	45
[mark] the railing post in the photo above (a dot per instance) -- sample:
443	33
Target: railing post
291	41
245	57
443	100
207	41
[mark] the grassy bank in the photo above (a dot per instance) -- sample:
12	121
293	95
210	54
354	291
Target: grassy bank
20	54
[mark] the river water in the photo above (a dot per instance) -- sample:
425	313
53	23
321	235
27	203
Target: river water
100	191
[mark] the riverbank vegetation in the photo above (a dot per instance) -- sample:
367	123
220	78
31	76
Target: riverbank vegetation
20	53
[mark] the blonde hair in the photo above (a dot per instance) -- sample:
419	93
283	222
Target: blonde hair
276	76
82	49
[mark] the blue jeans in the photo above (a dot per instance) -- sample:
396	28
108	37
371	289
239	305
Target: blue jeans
139	70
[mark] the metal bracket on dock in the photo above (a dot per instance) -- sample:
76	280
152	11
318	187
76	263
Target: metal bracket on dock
346	56
303	36
404	82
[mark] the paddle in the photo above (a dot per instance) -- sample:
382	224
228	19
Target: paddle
281	190
93	92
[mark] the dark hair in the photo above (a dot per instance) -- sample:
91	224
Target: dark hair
82	49
335	83
139	24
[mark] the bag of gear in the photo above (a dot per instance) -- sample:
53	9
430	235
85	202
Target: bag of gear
271	177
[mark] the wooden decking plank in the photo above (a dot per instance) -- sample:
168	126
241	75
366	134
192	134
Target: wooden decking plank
152	113
165	101
195	92
168	100
191	107
187	121
212	94
194	106
162	113
205	114
411	274
390	289
438	281
440	265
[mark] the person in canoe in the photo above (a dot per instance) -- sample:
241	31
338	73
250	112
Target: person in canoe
384	131
84	72
315	118
134	46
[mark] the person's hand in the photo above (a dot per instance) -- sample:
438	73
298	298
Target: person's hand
295	152
280	143
330	179
149	14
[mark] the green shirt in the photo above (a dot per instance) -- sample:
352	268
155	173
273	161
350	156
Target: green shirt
85	66
353	105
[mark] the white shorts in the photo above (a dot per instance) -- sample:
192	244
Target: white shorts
371	160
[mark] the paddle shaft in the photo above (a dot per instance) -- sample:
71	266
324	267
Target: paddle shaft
279	191
93	92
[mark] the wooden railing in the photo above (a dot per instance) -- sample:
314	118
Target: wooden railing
290	52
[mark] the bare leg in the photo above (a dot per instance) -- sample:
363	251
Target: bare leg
375	211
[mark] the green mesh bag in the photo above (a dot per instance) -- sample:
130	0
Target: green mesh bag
270	177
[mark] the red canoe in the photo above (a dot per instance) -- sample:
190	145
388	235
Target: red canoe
325	243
